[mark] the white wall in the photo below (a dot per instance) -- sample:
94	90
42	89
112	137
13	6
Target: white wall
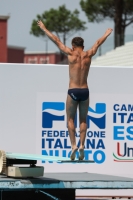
20	84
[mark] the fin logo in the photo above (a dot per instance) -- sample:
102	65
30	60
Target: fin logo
55	111
97	116
52	111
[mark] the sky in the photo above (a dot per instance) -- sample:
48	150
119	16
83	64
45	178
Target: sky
22	13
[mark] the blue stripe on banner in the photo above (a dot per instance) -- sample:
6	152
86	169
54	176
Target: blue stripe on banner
53	105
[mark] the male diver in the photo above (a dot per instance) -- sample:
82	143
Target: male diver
78	92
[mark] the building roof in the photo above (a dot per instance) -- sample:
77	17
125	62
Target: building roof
4	16
16	47
42	52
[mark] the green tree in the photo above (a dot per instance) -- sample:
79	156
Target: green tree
61	21
120	11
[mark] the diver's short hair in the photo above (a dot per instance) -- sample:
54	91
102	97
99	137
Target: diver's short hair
78	41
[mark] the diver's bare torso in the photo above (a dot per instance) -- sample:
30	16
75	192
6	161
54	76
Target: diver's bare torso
79	65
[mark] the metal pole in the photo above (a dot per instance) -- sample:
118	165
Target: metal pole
100	51
46	48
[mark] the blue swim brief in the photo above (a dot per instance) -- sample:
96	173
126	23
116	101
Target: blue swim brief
79	94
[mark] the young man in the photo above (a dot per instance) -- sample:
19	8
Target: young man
78	92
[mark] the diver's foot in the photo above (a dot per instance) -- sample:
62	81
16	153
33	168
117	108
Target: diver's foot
81	153
73	153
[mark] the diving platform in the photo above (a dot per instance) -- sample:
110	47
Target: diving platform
17	180
60	186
